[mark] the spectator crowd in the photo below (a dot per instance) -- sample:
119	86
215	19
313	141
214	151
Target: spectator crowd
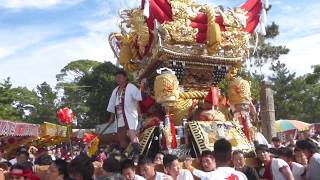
296	160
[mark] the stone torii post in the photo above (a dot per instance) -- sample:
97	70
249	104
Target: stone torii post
267	111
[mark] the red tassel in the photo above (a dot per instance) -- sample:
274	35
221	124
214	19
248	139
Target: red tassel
219	20
164	142
213	96
251	26
173	133
165	7
255	11
245	125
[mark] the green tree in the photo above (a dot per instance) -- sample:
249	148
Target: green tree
265	51
313	78
25	102
46	109
75	70
281	79
312	95
100	83
74	94
7	111
295	97
16	103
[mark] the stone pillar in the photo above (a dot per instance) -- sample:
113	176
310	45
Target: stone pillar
267	111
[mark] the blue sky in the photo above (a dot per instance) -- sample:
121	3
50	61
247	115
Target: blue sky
39	37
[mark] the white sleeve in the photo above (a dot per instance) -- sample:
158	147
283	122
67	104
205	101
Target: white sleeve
299	169
112	102
187	175
200	174
135	93
139	178
206	178
280	163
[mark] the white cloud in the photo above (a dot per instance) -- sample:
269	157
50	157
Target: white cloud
4	52
44	59
296	20
31	55
102	26
41	64
41	4
304	52
300	32
19	38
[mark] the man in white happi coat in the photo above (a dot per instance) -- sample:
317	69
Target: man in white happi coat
207	162
124	107
222	154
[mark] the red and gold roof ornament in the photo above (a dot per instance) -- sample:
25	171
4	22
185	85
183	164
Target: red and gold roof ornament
195	46
162	30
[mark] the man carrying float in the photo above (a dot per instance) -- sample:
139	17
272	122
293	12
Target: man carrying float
123	105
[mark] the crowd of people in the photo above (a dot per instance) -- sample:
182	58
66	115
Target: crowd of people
298	161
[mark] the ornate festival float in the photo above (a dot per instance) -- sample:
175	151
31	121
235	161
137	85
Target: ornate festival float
184	50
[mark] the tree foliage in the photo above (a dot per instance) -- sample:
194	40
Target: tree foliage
265	51
24	102
282	79
295	97
75	70
100	85
86	87
7	111
46	109
313	78
74	95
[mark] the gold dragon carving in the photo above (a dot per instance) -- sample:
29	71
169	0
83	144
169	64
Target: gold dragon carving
139	32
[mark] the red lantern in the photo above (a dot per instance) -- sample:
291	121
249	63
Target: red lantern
65	115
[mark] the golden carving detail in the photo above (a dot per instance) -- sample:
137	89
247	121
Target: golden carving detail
127	53
132	44
181	110
213	32
239	92
235	41
193	95
166	88
179	30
